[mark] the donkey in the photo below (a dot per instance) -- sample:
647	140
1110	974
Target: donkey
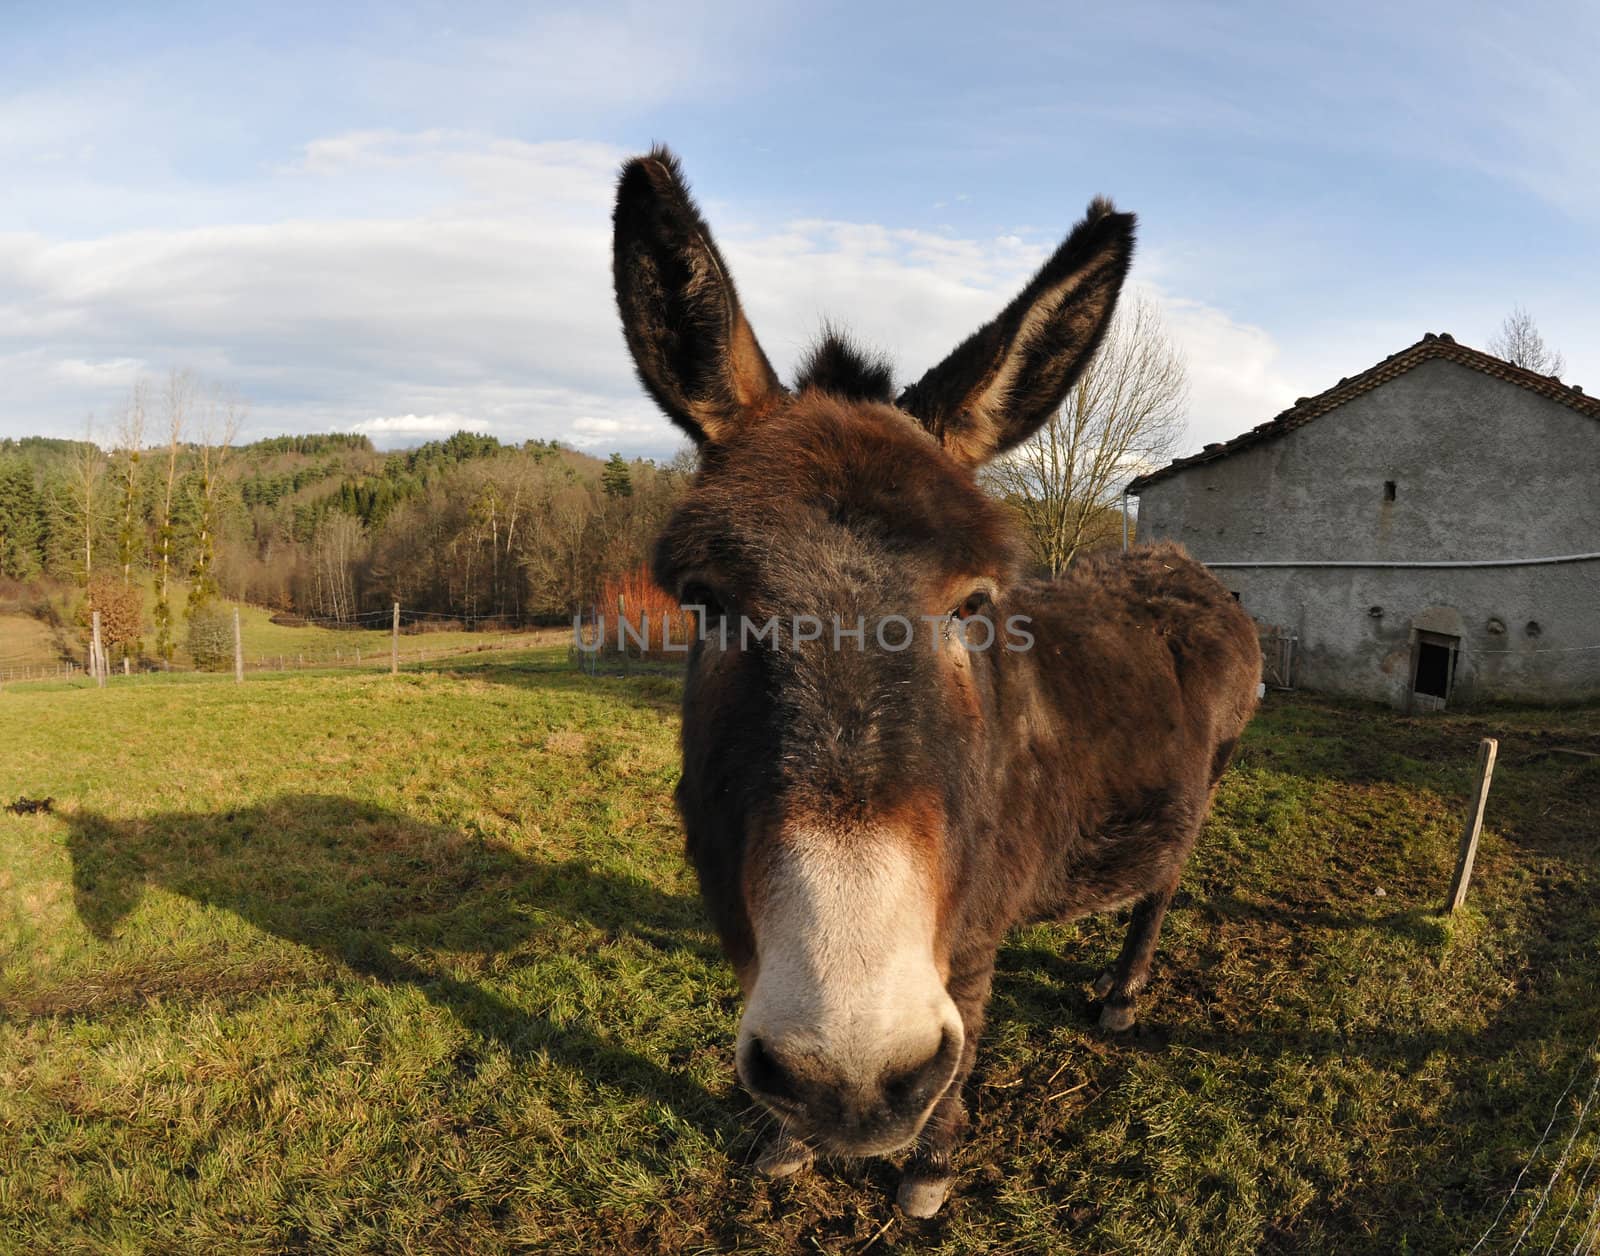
870	810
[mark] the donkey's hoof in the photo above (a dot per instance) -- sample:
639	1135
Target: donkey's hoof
922	1196
1117	1017
783	1158
1103	983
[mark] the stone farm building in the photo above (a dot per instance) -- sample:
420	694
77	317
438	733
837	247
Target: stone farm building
1427	532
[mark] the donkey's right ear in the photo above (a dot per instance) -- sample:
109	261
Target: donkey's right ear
691	343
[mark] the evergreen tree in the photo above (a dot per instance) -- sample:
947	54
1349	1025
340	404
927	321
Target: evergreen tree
21	521
616	479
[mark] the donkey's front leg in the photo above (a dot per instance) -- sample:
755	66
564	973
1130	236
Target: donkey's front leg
784	1156
930	1169
1120	986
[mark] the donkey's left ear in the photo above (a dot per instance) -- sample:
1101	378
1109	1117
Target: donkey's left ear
1002	382
692	345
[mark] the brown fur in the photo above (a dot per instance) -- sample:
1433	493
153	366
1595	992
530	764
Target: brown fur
1047	782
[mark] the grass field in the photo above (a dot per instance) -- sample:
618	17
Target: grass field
344	963
27	641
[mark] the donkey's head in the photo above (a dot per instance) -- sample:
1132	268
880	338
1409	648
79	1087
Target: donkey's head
842	715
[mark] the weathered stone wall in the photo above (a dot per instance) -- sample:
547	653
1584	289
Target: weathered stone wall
1356	626
1482	469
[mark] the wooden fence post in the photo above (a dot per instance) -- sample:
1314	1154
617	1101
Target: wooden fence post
394	646
1487	749
98	654
238	650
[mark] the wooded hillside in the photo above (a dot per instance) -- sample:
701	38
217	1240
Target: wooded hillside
327	526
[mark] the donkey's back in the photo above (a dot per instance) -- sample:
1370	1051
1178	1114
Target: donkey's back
1148	672
1150	627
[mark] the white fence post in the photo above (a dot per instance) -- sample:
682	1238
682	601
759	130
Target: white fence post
97	654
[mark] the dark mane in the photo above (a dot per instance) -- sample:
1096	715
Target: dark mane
840	366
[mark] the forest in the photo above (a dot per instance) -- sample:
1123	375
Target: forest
467	529
323	527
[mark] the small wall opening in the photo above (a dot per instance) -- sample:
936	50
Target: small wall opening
1434	665
1388	490
1433	670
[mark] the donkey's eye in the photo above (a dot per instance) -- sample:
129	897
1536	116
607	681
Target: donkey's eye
977	602
703	596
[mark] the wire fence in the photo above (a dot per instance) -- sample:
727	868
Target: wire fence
394	639
1580	1222
410	620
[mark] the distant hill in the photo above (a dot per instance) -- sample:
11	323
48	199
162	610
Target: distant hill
315	472
327	525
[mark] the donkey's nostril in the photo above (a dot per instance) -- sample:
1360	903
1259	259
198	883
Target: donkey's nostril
766	1074
915	1088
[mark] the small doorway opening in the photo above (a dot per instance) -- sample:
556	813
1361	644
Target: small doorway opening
1433	670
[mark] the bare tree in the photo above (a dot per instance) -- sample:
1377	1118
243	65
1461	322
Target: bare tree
340	545
179	399
82	507
130	446
219	420
1127	410
1518	341
499	492
560	549
684	463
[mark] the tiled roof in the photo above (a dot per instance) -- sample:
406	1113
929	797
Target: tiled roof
1429	347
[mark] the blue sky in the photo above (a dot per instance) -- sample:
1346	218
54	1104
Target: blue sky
397	222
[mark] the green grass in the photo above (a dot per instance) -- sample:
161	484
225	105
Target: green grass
264	640
348	963
28	642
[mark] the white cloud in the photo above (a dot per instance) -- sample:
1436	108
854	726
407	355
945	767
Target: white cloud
589	432
1235	379
471	171
598	427
494	301
109	373
420	425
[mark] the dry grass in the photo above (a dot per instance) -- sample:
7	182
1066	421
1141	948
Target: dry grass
23	640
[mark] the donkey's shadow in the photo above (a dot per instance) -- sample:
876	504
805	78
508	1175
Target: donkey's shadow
395	899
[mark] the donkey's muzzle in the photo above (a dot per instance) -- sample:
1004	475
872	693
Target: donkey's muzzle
830	1108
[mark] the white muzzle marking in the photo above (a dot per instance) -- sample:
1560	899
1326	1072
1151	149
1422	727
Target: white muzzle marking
847	982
